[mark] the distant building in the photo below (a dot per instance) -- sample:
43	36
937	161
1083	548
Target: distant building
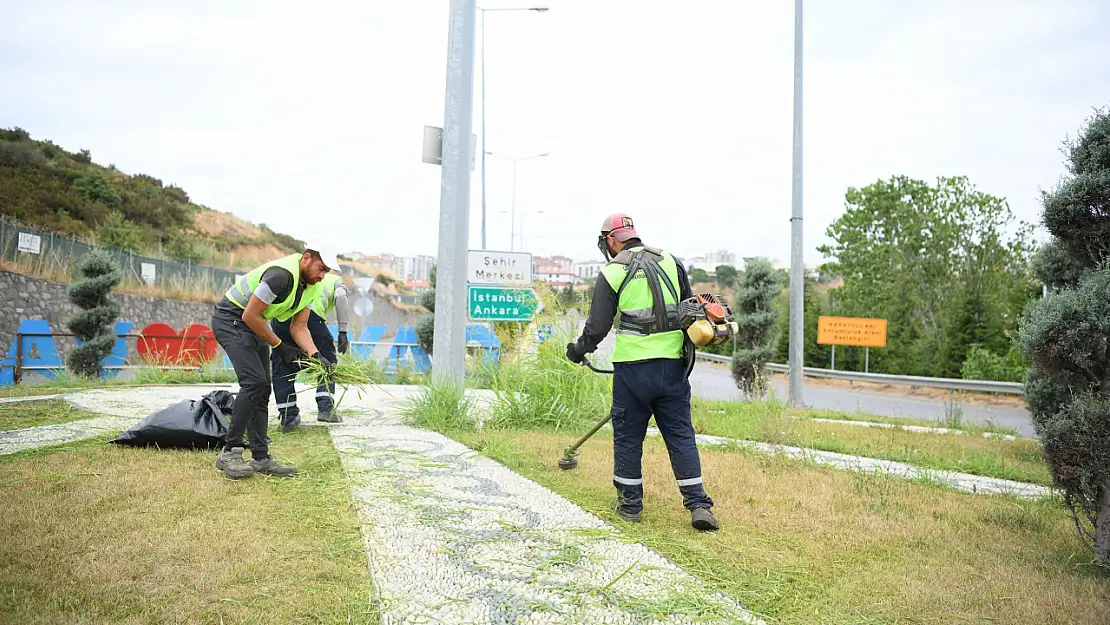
588	270
418	286
413	268
548	264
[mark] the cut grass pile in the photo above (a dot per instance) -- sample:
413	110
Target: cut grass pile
1019	460
21	415
803	544
95	533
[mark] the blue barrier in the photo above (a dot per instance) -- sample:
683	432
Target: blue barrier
41	352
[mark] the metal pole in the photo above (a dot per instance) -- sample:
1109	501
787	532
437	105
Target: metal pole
512	235
866	359
449	339
797	268
484	130
832	359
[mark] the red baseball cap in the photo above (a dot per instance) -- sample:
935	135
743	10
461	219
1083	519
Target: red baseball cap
620	226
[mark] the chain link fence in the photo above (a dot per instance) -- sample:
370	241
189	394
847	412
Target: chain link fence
49	255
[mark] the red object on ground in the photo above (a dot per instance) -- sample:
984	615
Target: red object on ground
162	345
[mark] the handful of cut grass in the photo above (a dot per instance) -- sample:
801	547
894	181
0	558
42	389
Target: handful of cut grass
347	373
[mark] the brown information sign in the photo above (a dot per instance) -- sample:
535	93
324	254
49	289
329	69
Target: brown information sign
855	331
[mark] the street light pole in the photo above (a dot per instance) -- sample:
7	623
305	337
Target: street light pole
538	10
797	268
449	340
512	233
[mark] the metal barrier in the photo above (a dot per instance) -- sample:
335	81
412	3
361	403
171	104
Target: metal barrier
955	384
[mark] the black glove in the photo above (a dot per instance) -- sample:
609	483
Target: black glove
328	364
344	344
289	354
573	355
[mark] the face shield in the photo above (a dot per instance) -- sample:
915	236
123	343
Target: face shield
603	245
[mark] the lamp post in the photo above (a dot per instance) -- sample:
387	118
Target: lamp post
483	61
515	160
797	267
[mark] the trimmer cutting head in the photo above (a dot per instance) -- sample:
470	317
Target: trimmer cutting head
568	462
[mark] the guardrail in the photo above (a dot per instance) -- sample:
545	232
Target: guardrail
955	384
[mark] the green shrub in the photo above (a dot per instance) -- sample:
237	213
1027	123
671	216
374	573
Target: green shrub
93	324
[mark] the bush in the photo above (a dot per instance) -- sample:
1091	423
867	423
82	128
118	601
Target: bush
94	323
756	317
983	364
1067	333
118	232
425	332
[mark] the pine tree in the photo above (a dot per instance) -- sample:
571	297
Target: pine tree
756	316
94	323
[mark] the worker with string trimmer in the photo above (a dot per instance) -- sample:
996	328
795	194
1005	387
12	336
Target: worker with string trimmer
652	361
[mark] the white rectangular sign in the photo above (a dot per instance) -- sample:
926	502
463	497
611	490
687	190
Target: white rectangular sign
29	243
488	267
147	270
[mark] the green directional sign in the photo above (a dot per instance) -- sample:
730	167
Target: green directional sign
501	303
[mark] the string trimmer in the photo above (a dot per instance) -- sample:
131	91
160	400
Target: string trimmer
570	454
706	320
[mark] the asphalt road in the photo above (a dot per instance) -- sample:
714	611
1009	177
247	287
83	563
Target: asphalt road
714	383
711	382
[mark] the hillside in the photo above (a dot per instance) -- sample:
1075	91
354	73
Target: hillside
43	185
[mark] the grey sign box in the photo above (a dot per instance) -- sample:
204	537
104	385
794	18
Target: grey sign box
433	146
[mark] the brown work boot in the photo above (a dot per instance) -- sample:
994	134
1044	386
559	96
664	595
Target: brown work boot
269	466
231	462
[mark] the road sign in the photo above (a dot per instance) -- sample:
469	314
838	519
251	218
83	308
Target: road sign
855	331
433	146
501	303
486	267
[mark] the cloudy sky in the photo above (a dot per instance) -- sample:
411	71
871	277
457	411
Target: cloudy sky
308	116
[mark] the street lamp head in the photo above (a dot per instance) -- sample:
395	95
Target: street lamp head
539	9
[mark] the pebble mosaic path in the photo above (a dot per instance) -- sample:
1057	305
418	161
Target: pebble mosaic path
453	537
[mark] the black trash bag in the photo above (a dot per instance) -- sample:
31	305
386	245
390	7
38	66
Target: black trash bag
188	424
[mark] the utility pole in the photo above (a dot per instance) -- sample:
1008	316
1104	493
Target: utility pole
797	266
449	340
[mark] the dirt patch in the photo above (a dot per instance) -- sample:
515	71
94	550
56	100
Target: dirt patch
214	224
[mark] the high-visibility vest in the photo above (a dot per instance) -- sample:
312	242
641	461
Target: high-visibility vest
324	302
636	300
240	292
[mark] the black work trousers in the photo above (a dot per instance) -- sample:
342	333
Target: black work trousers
285	394
250	357
654	387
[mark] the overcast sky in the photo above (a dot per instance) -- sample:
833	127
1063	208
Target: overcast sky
308	116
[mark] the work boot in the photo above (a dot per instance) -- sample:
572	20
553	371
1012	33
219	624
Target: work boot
288	425
703	519
231	463
329	416
269	466
631	517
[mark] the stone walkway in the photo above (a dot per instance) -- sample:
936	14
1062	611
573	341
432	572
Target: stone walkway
454	537
961	481
914	428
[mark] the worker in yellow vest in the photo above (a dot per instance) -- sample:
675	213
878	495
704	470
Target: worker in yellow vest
651	363
280	289
331	296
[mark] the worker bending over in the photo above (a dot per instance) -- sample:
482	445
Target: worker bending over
652	361
332	295
280	289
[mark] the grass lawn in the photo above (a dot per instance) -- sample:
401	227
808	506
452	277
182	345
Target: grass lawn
94	533
47	412
1019	459
803	544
